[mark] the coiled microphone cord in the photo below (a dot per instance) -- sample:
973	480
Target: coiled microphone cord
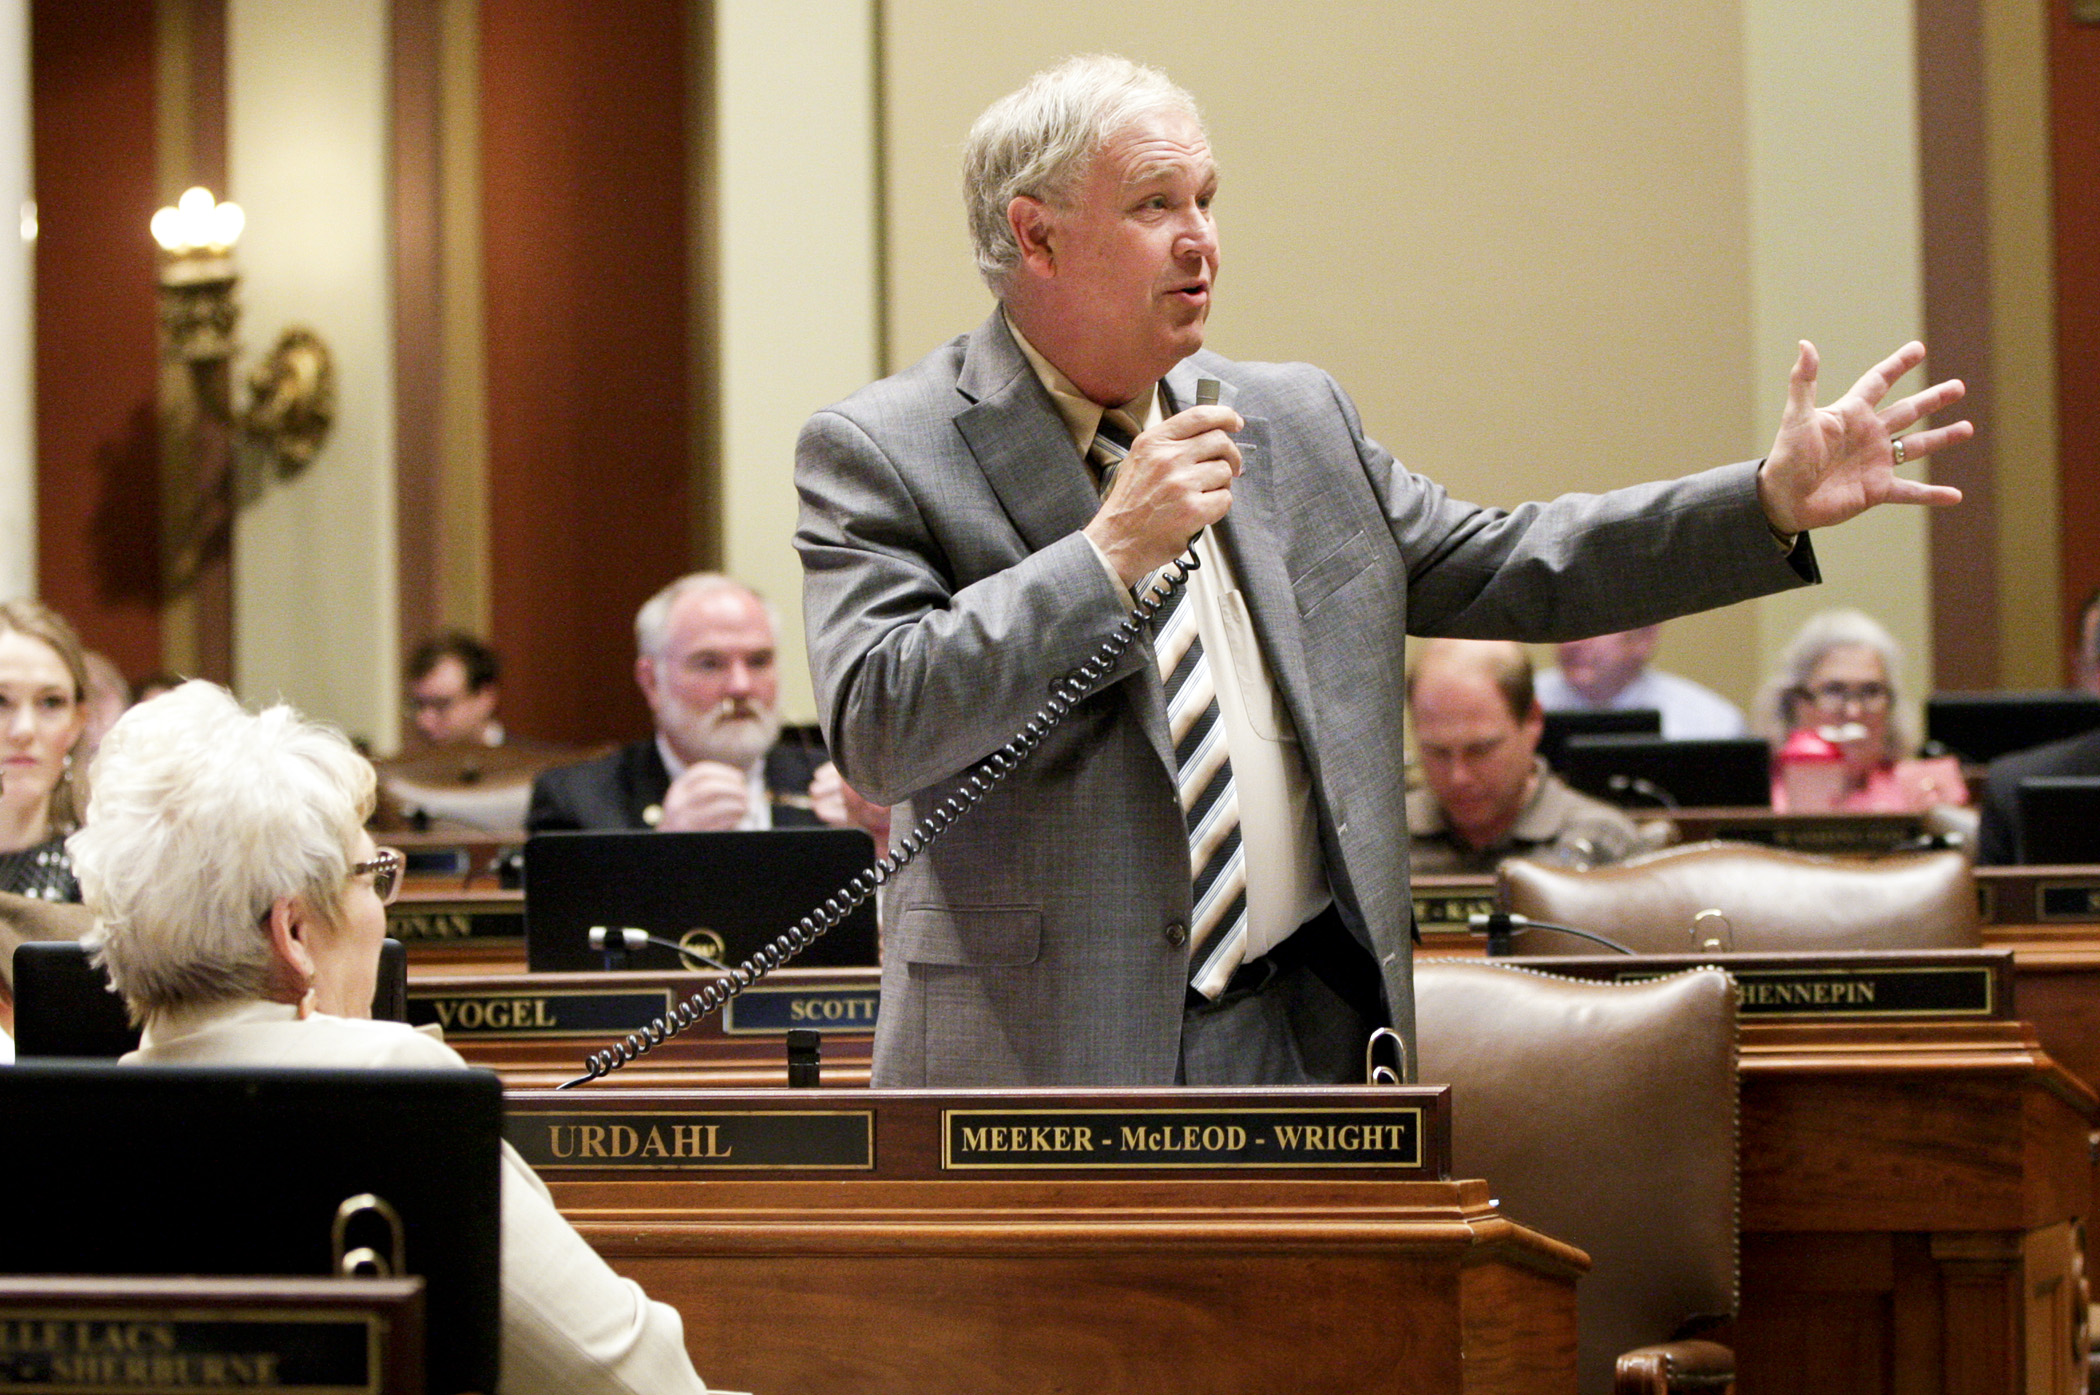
1065	694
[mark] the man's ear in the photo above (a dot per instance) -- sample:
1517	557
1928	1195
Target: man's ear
1033	229
645	678
288	921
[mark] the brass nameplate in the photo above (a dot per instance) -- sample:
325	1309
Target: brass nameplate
1057	1139
422	921
90	1350
1950	990
556	1012
773	1011
1824	833
2069	901
777	1140
1451	909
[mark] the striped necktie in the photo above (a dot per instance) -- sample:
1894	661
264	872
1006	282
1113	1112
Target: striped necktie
1209	801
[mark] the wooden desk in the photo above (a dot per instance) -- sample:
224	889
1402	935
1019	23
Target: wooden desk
1913	1191
1102	1282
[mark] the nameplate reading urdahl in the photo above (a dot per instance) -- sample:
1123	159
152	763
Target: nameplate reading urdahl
782	1140
423	921
774	1010
92	1351
564	1012
1451	910
1181	1139
1952	990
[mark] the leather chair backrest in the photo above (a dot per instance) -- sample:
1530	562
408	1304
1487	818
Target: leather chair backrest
1602	1114
1771	900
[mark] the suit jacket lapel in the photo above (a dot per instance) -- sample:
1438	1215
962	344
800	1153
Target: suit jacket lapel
1020	442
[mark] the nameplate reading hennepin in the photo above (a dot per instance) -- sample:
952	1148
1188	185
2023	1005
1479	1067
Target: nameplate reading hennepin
1182	1139
87	1352
783	1140
773	1011
561	1012
1948	990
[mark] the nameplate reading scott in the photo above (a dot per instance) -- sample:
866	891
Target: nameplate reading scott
427	921
772	1011
1951	990
88	1351
782	1140
560	1012
1058	1139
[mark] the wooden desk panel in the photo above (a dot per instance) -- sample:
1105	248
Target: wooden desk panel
1116	1287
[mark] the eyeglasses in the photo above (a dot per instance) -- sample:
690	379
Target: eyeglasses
1835	697
385	867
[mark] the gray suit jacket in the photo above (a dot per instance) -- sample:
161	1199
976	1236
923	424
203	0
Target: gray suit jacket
947	587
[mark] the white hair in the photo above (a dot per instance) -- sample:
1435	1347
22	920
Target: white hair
204	817
652	623
1842	628
1040	141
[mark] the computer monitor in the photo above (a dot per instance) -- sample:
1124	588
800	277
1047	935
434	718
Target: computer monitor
1633	721
2060	820
727	894
64	1006
153	1170
1648	772
1981	727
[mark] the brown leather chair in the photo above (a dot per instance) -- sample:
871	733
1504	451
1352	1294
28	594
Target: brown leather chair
1767	899
1604	1115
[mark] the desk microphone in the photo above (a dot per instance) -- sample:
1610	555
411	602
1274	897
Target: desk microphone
1648	789
632	940
1502	928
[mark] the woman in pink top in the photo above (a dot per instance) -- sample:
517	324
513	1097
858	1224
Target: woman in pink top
1839	678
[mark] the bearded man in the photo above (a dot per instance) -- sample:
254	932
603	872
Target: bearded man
705	661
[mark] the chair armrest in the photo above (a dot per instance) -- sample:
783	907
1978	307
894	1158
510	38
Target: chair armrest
1671	1367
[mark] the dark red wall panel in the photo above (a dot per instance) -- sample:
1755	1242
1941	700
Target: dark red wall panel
584	239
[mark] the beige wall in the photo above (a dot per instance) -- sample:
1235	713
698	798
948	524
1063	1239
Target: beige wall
1546	248
795	123
314	580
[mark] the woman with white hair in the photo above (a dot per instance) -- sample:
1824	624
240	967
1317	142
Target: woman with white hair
1838	681
239	907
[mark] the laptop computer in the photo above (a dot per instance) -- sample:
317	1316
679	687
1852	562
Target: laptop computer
1647	772
239	1170
64	1006
724	894
1981	727
1561	727
2060	820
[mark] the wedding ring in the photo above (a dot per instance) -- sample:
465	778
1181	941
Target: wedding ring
1896	448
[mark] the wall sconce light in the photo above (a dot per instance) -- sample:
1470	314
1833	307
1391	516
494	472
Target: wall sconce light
291	391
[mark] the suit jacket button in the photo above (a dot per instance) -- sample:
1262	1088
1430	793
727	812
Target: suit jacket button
1177	934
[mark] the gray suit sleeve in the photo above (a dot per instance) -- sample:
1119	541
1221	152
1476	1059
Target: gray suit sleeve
920	677
1581	564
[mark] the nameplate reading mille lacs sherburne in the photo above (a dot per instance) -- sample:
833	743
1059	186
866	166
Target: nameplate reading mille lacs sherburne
555	1012
426	921
1182	1139
87	1351
773	1011
1868	991
776	1140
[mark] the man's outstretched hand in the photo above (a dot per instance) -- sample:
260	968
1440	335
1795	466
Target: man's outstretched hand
1832	463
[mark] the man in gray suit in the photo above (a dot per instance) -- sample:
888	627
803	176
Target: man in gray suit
960	556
